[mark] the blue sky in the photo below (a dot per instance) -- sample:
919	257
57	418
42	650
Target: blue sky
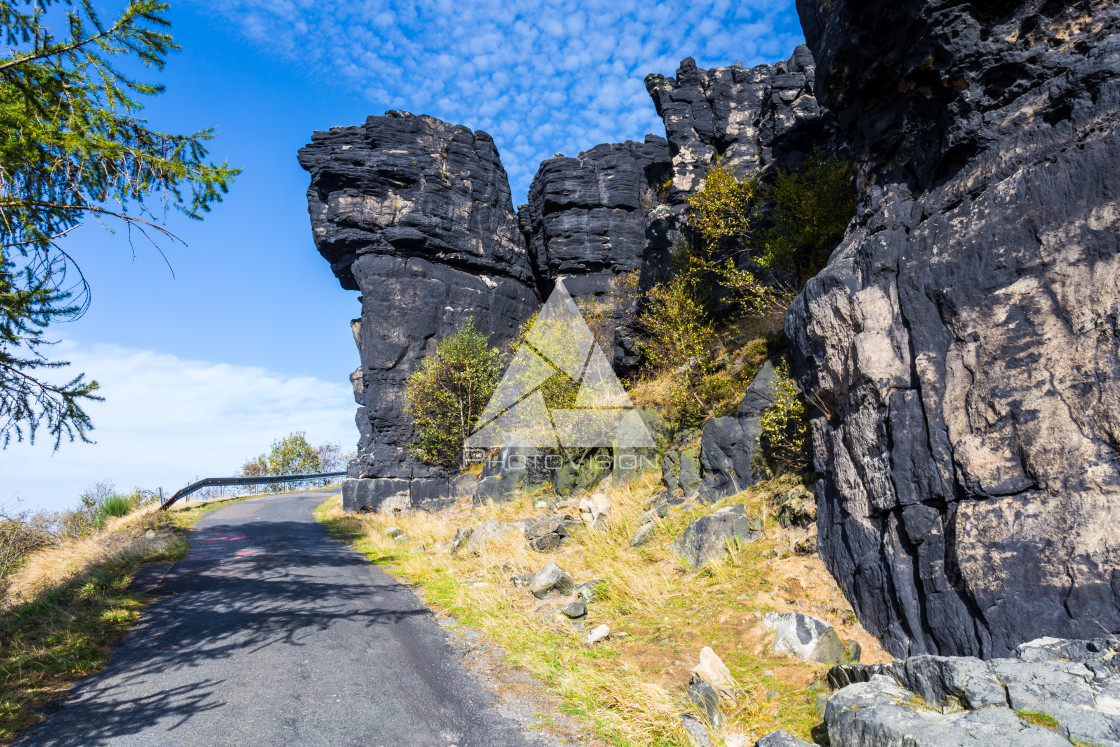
249	339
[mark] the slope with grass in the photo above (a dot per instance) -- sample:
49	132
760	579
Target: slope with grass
68	602
632	688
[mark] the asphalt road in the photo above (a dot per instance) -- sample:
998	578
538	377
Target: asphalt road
271	632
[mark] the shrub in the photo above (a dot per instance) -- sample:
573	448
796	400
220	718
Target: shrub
784	439
448	392
114	505
724	207
811	210
678	340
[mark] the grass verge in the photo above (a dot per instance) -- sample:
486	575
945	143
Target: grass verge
632	688
69	602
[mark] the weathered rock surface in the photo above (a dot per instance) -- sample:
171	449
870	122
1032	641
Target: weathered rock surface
782	739
935	700
963	338
416	214
751	118
808	637
706	539
728	444
585	218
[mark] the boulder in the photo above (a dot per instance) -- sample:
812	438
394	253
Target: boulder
487	532
782	739
715	673
548	579
729	444
590	591
597	634
706	538
643	535
880	713
808	637
696	731
964	700
960	345
575	609
707	699
680	467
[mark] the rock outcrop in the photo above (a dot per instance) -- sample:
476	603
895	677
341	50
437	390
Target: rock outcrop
587	217
752	119
1051	692
416	214
962	343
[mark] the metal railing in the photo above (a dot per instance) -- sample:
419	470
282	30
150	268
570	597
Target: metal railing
255	480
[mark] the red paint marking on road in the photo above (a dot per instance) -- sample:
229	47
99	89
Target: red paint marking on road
224	537
246	552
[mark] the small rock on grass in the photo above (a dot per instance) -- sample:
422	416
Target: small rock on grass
549	578
706	697
598	634
575	609
642	536
778	739
589	591
712	670
697	734
402	538
393	532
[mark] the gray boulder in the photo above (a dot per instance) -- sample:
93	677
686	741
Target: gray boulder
808	637
707	699
643	535
487	532
1076	683
881	713
706	539
782	739
548	579
729	444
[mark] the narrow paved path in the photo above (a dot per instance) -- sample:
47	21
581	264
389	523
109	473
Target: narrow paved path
271	632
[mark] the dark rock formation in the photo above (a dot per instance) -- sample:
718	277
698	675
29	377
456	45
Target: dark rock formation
962	342
751	118
730	443
416	214
1074	682
706	538
587	216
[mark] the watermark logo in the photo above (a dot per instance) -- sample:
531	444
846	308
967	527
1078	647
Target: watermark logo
560	342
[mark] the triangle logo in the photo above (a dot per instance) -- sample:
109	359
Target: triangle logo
560	342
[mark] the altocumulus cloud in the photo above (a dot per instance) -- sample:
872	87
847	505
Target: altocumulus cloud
167	420
540	77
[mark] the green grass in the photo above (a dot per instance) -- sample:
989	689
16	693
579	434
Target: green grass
1038	719
52	638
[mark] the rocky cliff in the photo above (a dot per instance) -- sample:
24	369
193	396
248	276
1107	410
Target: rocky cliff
416	214
962	343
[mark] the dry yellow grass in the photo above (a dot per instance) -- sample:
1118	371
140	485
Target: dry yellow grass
634	686
67	603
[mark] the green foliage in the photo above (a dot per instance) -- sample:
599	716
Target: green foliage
448	392
724	207
678	341
559	390
784	440
114	505
292	455
811	210
72	146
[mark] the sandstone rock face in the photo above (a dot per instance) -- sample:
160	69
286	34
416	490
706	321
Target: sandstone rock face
962	342
751	118
416	214
587	216
1074	682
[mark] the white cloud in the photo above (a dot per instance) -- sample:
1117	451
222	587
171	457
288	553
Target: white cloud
167	420
483	63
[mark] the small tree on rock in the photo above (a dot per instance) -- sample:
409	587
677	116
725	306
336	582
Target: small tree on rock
448	392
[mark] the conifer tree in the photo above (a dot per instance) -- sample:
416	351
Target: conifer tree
73	147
